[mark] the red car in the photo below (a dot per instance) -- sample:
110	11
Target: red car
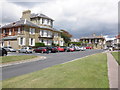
40	50
88	47
60	49
70	49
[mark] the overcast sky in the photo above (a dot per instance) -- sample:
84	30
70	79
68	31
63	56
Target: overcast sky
79	17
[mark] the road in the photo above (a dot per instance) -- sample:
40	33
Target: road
52	59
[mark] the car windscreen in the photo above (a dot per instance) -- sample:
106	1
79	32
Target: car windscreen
5	47
30	48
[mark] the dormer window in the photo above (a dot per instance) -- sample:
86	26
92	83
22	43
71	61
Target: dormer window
18	30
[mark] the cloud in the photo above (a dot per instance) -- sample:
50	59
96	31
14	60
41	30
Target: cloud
79	17
10	12
28	4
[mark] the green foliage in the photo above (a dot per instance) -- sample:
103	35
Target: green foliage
116	56
53	44
58	45
39	44
8	59
75	43
65	37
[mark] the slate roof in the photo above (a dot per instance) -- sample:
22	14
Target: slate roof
10	38
19	23
26	22
33	15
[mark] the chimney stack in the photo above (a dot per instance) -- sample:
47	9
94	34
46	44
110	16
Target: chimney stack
26	14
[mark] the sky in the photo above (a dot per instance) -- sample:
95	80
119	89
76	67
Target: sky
79	17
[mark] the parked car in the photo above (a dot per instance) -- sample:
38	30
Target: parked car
60	49
40	50
116	47
9	49
89	47
110	48
65	47
70	49
25	50
52	49
105	48
76	48
3	52
82	48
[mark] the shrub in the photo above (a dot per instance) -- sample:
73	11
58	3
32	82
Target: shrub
39	45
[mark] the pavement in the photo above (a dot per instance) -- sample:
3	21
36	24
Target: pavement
119	77
51	60
112	71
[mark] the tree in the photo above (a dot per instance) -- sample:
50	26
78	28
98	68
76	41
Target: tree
66	36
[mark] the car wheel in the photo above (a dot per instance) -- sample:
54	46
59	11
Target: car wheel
4	54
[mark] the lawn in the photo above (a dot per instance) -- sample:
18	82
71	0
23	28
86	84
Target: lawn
116	56
7	59
88	72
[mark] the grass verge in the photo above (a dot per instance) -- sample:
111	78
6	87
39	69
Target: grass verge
7	59
89	72
116	56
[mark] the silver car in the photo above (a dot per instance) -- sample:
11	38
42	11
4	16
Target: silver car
25	50
9	49
82	48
